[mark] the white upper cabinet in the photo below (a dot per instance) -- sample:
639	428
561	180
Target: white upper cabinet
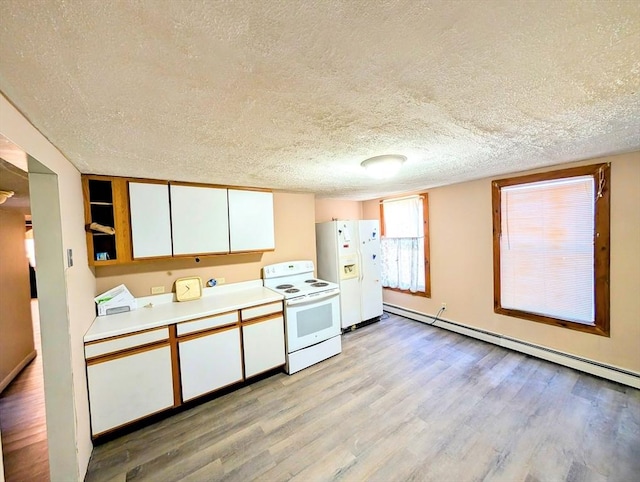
199	220
251	226
181	220
150	219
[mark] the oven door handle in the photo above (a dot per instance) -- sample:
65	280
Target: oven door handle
313	298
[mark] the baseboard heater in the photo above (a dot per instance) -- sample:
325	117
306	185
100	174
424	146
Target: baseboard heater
610	372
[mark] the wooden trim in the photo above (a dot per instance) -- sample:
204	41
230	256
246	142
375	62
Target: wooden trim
126	352
196	255
187	323
427	263
209	316
262	319
417	293
186	183
241	340
602	252
175	367
497	231
601	247
258	189
253	251
121	220
147	181
590	170
122	215
427	244
87	218
125	335
208	331
195	184
142	261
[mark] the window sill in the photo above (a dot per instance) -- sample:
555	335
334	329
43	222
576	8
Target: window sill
417	293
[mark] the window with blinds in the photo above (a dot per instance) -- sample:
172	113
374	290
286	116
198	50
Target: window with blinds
551	248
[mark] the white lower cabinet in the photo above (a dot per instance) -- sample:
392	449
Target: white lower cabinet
263	343
129	387
140	374
209	361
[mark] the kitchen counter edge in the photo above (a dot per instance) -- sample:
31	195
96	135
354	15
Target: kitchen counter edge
165	314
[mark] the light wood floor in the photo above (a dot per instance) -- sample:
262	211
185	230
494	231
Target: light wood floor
404	401
23	421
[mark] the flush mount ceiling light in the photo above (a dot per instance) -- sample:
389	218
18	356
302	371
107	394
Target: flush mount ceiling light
385	166
4	195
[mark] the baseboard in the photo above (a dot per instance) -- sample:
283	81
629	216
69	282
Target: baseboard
14	373
610	372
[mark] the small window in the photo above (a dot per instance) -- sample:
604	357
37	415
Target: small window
551	248
405	244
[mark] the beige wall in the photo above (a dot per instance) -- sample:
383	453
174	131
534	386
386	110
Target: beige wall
460	227
16	341
333	209
62	346
294	237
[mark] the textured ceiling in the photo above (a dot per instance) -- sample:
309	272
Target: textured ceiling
294	95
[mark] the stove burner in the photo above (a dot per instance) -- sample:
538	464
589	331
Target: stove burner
320	284
311	281
291	290
283	287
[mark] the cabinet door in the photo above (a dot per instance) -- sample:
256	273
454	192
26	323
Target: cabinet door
128	388
251	225
263	344
209	362
199	220
150	219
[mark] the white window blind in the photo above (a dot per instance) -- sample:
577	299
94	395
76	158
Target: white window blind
402	247
547	248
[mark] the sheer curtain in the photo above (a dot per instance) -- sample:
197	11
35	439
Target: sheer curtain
402	246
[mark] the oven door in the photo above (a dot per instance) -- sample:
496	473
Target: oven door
312	319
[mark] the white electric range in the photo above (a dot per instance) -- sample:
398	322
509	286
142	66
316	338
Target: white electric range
311	313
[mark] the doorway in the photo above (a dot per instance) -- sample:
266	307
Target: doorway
59	401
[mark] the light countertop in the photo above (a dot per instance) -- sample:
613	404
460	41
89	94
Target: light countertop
165	311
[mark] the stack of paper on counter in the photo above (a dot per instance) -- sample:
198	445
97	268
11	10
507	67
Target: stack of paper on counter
116	300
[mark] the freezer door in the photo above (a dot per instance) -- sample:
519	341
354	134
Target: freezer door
370	285
347	232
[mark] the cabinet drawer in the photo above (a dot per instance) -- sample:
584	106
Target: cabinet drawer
262	310
94	349
187	327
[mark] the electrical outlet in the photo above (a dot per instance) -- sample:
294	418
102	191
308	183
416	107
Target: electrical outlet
220	281
444	306
157	290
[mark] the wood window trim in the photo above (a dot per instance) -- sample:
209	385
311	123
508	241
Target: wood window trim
601	247
427	265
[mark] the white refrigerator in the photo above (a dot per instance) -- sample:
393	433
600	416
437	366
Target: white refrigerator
349	254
